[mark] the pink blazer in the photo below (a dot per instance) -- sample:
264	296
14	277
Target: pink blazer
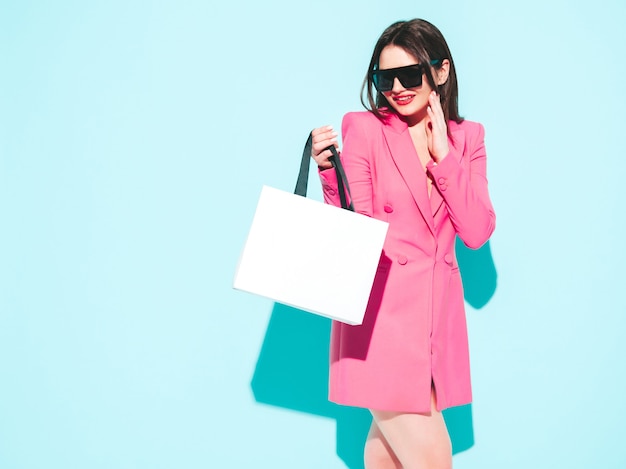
414	332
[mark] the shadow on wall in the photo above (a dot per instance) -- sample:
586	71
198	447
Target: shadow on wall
292	369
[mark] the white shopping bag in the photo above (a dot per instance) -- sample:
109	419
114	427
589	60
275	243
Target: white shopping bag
309	255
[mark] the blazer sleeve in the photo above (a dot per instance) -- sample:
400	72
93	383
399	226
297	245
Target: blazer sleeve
466	194
328	178
355	160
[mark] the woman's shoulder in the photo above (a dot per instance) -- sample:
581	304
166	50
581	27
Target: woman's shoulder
367	120
364	117
467	135
466	126
360	123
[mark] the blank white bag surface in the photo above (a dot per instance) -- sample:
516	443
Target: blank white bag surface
311	256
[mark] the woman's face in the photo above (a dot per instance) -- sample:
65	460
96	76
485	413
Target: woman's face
410	103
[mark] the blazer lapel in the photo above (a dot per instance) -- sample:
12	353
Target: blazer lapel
406	160
456	141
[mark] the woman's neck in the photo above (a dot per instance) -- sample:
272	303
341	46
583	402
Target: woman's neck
418	119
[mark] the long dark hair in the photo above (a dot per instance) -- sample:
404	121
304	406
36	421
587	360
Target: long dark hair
425	42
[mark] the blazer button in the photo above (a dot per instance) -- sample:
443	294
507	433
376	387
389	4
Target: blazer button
448	259
442	180
443	187
331	191
402	260
388	208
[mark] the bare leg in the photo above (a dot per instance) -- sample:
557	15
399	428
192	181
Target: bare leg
378	454
419	441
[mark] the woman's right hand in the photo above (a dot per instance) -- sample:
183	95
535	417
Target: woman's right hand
323	137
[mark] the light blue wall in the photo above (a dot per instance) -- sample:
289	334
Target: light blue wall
134	140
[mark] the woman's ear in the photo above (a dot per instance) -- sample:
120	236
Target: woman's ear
443	71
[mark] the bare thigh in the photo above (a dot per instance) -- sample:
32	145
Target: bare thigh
378	453
419	441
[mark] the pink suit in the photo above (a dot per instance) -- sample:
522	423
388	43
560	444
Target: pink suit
414	331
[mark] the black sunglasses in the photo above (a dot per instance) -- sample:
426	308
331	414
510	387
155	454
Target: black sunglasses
409	76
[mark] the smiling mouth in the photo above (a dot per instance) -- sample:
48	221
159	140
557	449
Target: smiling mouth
403	100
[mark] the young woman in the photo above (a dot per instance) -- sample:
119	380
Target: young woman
413	162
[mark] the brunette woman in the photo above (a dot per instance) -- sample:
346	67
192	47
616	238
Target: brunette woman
412	161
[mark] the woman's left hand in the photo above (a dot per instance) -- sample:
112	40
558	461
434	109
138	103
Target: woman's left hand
436	129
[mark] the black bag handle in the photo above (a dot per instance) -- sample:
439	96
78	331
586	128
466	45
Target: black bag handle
342	180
